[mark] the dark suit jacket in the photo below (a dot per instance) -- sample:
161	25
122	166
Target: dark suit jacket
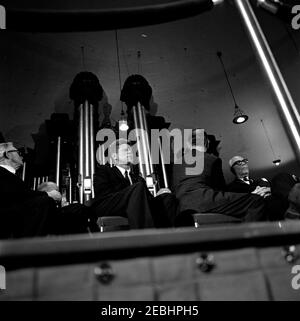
109	180
13	191
239	186
203	192
21	213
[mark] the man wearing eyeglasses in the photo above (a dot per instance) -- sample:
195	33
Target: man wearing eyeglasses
23	212
281	193
242	182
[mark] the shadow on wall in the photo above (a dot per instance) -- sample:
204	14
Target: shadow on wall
21	134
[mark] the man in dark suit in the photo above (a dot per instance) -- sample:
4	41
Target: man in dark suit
205	192
24	213
27	213
121	192
242	183
276	192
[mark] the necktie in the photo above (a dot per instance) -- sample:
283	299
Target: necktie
127	177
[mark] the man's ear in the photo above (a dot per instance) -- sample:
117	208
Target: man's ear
5	155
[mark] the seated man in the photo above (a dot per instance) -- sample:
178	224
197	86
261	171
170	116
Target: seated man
242	182
205	192
24	213
121	192
276	192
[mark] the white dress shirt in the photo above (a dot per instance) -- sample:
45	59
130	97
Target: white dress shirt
123	170
9	168
245	180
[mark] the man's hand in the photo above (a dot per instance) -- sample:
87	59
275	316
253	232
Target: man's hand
262	191
163	191
55	195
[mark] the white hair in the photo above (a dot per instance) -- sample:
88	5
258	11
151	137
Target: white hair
4	147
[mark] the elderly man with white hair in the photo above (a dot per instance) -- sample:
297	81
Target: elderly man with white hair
242	182
24	213
27	213
281	193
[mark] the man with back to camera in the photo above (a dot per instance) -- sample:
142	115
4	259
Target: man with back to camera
120	191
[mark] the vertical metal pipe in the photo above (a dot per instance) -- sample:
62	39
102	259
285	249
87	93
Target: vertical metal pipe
87	152
58	152
166	185
147	133
92	147
70	186
143	138
80	156
289	113
24	171
140	150
34	183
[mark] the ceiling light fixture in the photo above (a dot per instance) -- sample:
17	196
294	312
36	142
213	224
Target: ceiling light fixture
239	117
276	160
123	124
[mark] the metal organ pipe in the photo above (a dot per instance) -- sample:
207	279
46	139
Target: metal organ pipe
80	160
86	152
139	143
86	92
92	147
58	154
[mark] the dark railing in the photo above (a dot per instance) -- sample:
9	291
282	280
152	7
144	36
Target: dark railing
73	249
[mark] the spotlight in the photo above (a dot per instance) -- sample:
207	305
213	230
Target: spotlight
123	125
239	116
277	162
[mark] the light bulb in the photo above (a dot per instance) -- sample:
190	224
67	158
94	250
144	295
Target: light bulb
123	126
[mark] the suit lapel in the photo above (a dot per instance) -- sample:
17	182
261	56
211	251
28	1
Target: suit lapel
119	175
117	172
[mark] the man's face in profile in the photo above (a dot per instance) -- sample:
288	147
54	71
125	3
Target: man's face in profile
15	158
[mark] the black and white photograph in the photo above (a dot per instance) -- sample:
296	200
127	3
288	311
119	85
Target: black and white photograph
149	155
